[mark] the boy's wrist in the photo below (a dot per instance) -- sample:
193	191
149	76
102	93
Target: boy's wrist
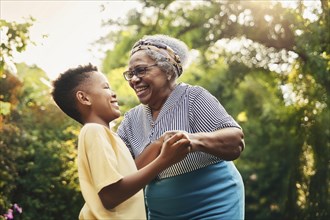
156	145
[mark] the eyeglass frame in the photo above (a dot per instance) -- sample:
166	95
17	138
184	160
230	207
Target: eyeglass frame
134	73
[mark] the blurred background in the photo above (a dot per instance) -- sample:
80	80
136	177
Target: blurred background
267	62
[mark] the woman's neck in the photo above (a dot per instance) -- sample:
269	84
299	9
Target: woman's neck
156	107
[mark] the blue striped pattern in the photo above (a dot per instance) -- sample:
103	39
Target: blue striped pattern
189	108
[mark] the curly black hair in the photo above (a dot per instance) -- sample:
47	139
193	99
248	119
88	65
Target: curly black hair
65	87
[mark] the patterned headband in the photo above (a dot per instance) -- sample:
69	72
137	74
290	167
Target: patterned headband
160	47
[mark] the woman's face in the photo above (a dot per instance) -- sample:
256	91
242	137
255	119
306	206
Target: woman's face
154	87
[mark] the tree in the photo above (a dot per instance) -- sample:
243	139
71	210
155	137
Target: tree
14	38
277	59
38	145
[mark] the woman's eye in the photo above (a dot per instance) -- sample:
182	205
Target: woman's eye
139	70
130	75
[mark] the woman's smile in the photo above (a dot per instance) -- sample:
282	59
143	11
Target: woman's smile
141	90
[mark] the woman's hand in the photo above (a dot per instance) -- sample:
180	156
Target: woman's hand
190	137
175	147
152	151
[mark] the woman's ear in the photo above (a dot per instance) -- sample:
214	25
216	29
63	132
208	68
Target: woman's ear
83	98
169	76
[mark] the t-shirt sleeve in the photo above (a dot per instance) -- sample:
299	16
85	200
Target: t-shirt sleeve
100	151
206	113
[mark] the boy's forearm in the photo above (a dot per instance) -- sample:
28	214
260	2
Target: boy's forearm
149	154
116	193
173	150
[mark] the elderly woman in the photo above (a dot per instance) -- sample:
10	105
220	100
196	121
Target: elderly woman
206	184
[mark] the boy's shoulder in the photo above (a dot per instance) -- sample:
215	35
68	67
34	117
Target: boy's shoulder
94	128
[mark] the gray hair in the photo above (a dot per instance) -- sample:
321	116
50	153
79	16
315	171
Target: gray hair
178	46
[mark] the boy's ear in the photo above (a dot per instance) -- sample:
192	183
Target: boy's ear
83	98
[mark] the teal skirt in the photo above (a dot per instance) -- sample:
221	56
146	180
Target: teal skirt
213	192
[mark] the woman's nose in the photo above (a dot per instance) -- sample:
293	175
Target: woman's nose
135	79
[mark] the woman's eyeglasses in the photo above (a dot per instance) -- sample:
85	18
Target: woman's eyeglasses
138	72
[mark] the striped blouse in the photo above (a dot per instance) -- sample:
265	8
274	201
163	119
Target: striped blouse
189	108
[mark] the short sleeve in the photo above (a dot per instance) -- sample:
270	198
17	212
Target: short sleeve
100	155
206	113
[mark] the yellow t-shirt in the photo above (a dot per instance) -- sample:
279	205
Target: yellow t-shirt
104	159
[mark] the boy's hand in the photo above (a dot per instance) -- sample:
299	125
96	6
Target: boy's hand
175	147
193	138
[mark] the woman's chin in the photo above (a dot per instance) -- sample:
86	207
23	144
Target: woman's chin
143	99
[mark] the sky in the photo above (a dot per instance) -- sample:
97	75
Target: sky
70	26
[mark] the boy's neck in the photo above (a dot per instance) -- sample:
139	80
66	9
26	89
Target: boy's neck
98	122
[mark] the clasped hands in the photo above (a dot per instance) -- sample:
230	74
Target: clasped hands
175	145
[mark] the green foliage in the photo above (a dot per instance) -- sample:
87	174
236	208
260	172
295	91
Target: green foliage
38	150
47	167
8	173
38	143
118	56
263	170
15	38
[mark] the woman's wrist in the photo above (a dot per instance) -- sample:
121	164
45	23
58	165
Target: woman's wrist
195	140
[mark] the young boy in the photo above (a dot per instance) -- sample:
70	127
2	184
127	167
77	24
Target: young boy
109	179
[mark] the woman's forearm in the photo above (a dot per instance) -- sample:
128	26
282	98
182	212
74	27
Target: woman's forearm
227	143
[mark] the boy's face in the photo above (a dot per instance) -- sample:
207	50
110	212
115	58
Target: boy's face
103	102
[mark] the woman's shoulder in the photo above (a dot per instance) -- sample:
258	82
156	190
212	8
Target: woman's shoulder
193	90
